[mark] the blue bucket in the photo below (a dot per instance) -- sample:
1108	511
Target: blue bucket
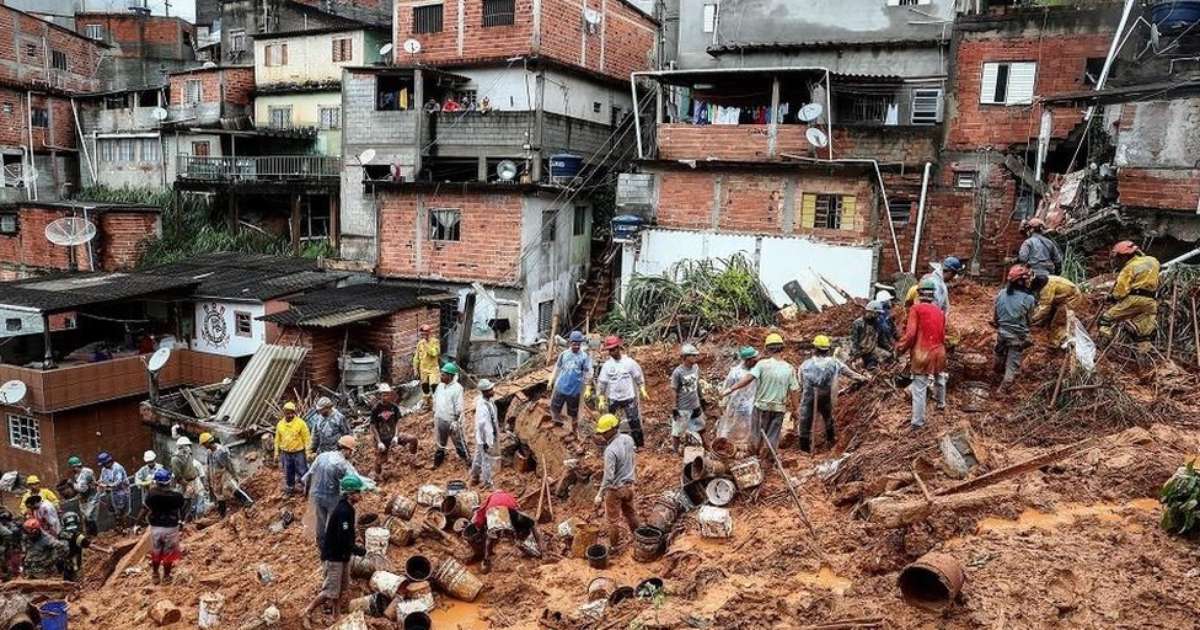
54	615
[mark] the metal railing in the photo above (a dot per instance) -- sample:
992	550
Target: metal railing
265	168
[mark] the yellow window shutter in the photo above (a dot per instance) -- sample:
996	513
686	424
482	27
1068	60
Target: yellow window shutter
808	210
850	219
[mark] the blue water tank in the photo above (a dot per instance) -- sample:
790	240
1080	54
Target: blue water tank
1173	15
625	227
565	166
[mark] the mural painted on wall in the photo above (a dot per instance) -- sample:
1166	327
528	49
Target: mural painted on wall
213	328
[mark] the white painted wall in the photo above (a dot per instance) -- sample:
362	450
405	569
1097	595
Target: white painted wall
310	57
215	331
549	271
514	89
779	258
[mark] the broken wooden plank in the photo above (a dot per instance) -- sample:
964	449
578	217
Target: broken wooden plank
1014	164
138	552
38	586
894	512
1015	470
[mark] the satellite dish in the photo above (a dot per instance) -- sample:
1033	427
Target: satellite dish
12	392
158	359
69	231
160	114
366	156
811	112
209	64
386	49
506	170
412	46
816	137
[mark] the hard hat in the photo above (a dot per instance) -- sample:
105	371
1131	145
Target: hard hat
162	476
883	296
183	441
927	285
612	341
351	483
32	525
607	423
104	458
1124	248
1033	224
821	342
577	337
149	456
383	388
205	438
876	306
289	406
450	368
425	328
747	352
347	441
32	480
74	461
484	385
952	263
688	350
1018	272
324	402
774	339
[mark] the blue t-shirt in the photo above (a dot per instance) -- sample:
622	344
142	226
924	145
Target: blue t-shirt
572	366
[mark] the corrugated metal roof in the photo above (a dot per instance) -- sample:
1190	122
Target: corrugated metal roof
334	320
73	290
264	380
248	276
332	307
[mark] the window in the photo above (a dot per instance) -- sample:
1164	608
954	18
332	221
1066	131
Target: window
545	316
58	59
499	12
343	49
237	40
200	149
862	108
901	212
1092	70
964	179
13	324
8	225
107	150
23	433
596	107
277	55
330	117
192	92
829	212
281	117
94	31
926	107
549	225
150	149
241	323
427	19
906	3
41	117
710	18
580	225
126	150
1008	83
393	93
444	224
31	50
8	109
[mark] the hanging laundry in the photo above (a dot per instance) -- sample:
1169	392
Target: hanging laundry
893	115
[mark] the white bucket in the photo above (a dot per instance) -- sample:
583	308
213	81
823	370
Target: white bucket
210	610
353	621
715	522
376	540
430	495
386	582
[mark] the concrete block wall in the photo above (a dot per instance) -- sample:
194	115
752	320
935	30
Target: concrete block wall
362	124
564	134
227	91
498	134
28	43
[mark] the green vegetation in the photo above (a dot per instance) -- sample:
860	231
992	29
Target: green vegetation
1180	498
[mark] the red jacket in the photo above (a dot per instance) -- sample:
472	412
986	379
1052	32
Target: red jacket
498	498
925	335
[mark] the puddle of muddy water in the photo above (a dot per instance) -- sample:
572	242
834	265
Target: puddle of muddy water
826	579
1105	512
458	616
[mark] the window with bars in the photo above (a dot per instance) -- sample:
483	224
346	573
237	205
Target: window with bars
8	224
192	91
863	108
237	41
499	12
126	150
200	149
579	228
24	433
826	211
41	117
241	324
926	107
900	212
445	224
710	18
343	49
330	117
94	31
280	117
1008	83
964	179
276	55
549	226
58	59
427	19
32	50
545	316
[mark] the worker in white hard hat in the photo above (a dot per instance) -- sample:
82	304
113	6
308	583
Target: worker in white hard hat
143	479
688	417
185	474
325	425
884	323
487	435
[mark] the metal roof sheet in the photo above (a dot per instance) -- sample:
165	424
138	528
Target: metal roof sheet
264	380
67	291
248	276
332	307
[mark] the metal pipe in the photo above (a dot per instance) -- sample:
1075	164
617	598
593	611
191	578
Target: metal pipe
912	267
829	125
30	187
83	142
1186	257
637	115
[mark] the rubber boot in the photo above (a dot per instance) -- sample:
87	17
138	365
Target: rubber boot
806	445
638	440
154	575
439	456
221	508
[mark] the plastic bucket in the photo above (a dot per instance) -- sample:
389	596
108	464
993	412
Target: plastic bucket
454	486
663	513
54	615
376	540
597	556
647	544
461	504
453	578
747	473
210	610
430	495
418	568
402	507
585	536
417	621
720	491
386	582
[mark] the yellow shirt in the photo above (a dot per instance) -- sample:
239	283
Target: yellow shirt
1140	273
47	495
425	359
291	436
1058	291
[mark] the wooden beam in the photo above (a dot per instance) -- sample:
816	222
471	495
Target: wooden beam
1023	172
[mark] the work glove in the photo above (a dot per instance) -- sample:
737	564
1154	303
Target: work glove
601	404
645	396
587	392
380	446
396	440
550	383
599	498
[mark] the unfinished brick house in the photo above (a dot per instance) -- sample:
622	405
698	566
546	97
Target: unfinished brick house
121	234
143	48
42	66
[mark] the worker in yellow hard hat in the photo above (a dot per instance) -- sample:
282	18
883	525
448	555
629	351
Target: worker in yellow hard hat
617	485
1135	294
819	374
222	478
775	391
293	446
34	484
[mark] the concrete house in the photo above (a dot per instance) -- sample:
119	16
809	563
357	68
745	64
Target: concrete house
143	47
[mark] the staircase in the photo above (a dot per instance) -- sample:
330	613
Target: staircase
596	294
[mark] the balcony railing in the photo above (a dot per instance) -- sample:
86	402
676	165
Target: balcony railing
257	169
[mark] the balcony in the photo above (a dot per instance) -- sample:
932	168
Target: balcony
271	168
751	143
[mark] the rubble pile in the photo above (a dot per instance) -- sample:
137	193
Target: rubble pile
1046	506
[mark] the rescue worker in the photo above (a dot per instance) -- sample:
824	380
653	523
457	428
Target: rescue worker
819	377
925	339
337	545
114	482
940	275
72	534
84	484
44	554
293	447
776	389
739	407
322	484
185	473
1055	297
688	416
45	513
487	435
617	485
33	484
1011	314
166	508
326	424
10	546
571	380
385	421
1039	252
1134	294
222	474
485	537
143	479
426	360
448	416
618	385
865	339
888	335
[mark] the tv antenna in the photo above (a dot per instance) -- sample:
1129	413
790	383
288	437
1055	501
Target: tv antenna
412	47
366	156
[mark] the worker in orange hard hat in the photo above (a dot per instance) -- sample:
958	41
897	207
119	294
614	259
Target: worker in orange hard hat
620	382
426	362
1135	293
1011	315
1041	254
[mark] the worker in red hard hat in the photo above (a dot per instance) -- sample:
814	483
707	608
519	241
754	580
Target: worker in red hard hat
620	381
44	554
1011	315
1039	252
1135	293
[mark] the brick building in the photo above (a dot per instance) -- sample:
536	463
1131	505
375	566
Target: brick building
227	29
121	234
143	48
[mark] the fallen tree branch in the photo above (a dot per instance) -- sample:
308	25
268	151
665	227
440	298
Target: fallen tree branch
1015	470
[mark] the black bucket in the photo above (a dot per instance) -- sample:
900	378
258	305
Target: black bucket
418	568
597	556
417	621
